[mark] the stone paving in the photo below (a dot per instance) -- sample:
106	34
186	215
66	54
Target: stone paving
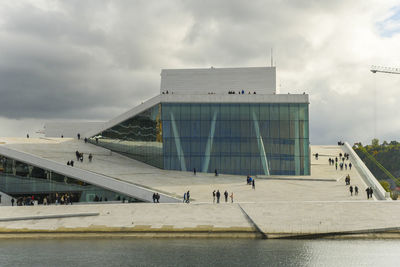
324	184
275	219
319	203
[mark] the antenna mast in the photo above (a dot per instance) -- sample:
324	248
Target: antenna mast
272	57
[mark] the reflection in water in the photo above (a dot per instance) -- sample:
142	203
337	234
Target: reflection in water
198	252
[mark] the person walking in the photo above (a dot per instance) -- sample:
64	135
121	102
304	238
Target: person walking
226	196
90	157
188	197
370	192
350	166
253	184
367	190
194	171
351	190
12	202
213	196
218	195
336	165
184	197
355	190
231	196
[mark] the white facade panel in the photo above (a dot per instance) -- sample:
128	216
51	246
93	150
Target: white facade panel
261	80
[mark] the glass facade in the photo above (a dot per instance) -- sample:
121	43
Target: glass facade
245	139
139	137
19	179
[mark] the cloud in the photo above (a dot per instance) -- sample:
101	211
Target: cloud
82	59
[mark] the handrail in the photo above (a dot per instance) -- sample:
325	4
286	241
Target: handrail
366	174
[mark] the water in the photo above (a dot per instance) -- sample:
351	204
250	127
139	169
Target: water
199	252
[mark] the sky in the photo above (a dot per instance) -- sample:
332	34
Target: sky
92	60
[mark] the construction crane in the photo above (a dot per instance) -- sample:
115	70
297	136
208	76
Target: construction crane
375	69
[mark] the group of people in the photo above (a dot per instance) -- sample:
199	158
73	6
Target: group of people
355	190
251	181
57	198
79	157
351	189
369	192
63	199
342	165
242	92
156	198
217	195
23	201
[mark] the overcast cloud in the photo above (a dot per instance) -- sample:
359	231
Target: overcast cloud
73	60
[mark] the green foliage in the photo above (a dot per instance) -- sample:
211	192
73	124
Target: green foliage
387	154
385	185
395	195
375	142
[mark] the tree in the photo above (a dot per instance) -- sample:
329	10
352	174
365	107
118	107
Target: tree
385	143
375	142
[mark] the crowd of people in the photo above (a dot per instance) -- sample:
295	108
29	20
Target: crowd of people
342	162
57	198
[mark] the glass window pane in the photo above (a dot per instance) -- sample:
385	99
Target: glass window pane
195	112
264	111
185	128
284	112
255	109
274	112
244	112
195	131
176	111
234	111
225	112
205	112
284	130
205	129
245	129
185	111
274	130
294	111
303	111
